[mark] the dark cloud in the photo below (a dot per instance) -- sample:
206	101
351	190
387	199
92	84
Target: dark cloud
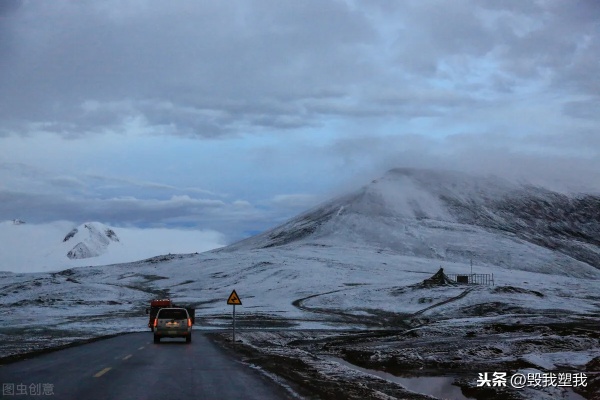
66	182
47	181
587	109
9	6
38	196
432	32
208	69
196	57
123	183
176	211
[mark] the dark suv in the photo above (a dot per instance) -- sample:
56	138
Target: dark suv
173	322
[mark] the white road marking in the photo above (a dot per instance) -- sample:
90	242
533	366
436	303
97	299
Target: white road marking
141	348
99	374
127	357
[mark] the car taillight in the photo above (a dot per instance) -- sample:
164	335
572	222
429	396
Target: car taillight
189	322
155	322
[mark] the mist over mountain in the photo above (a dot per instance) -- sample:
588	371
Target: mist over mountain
454	217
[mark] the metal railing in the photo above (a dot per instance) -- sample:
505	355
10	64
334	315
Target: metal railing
472	279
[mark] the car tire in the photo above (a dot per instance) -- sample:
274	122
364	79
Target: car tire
156	339
188	339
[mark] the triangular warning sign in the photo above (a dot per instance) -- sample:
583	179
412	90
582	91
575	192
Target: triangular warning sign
234	299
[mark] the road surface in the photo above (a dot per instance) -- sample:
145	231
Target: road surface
133	367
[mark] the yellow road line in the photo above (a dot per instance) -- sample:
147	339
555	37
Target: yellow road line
99	374
141	348
126	357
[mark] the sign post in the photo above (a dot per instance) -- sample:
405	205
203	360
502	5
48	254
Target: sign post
234	300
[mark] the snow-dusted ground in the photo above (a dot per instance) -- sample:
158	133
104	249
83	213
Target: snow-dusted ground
301	287
353	280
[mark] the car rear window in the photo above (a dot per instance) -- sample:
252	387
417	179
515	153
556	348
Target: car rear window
172	314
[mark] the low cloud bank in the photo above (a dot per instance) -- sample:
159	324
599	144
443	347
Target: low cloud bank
40	248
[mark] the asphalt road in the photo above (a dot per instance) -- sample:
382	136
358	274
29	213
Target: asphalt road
133	367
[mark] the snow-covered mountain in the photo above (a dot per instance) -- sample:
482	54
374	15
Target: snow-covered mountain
92	239
456	217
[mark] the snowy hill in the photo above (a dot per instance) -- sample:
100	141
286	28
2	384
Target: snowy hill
454	217
92	239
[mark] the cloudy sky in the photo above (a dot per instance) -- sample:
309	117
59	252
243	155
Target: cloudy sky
234	116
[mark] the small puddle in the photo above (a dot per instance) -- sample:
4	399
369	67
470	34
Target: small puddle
437	386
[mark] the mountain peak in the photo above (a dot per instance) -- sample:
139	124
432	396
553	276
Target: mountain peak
92	239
